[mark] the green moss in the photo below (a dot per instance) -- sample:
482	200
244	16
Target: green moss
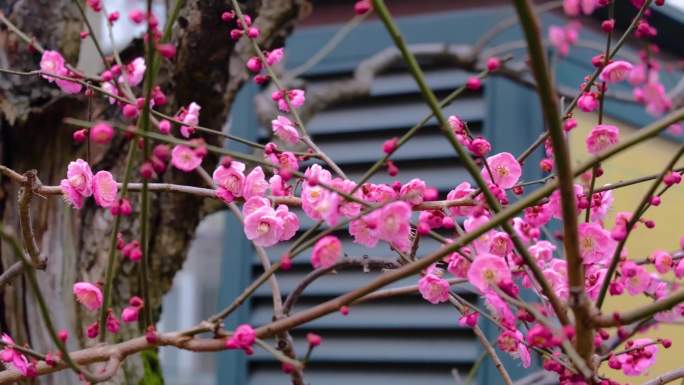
152	371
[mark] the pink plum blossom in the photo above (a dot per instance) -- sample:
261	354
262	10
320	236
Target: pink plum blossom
638	361
364	230
433	288
462	191
230	181
104	189
596	244
602	137
285	129
588	102
505	170
78	184
542	251
326	252
616	71
88	295
393	224
636	278
101	133
190	120
263	226
510	341
135	70
413	191
185	158
662	260
290	222
255	183
574	7
16	358
487	270
563	37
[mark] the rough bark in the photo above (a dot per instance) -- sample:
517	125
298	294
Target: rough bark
208	69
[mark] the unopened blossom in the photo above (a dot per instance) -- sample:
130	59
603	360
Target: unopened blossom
654	96
575	7
394	226
230	180
600	204
616	71
16	358
469	319
135	70
456	124
638	361
505	170
296	98
185	158
487	270
602	137
255	183
458	265
263	226
635	278
588	102
78	184
243	338
285	129
413	191
88	295
326	252
275	56
596	244
104	189
433	288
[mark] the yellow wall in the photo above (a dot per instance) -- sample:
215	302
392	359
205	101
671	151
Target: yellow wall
644	159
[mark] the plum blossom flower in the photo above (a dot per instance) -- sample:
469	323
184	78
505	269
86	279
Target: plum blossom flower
104	189
505	169
487	270
290	222
588	102
185	158
638	361
52	63
510	341
347	208
101	133
574	7
326	252
230	180
255	183
275	56
542	251
653	95
88	295
602	137
458	265
190	120
462	191
18	360
594	280
636	278
78	184
662	260
413	191
433	288
596	244
616	71
295	96
135	71
285	129
263	226
564	37
364	230
243	338
393	224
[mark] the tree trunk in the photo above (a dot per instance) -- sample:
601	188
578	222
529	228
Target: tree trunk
208	69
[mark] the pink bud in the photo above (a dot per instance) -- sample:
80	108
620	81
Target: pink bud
608	25
84	34
285	262
474	83
162	152
130	111
493	63
113	325
80	136
235	34
479	147
168	50
362	6
314	339
165	127
344	310
390	145
253	32
227	16
125	207
93	330
137	16
655	200
666	343
254	64
63	335
147	171
672	178
569	124
261	79
614	363
130	314
546	165
151	335
113	17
